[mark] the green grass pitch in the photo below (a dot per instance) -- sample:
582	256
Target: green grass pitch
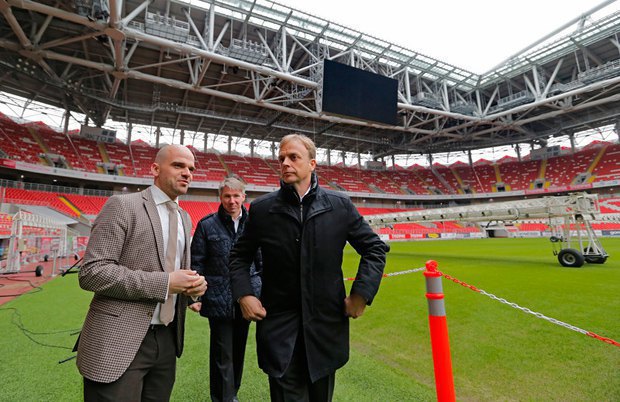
498	352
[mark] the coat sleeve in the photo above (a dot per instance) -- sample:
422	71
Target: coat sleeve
258	262
102	271
372	251
242	256
199	249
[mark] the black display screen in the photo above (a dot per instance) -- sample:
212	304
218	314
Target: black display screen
352	92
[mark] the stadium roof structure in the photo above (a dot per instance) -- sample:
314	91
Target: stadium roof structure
253	69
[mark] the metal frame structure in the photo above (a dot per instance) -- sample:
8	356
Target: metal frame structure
27	226
253	69
570	218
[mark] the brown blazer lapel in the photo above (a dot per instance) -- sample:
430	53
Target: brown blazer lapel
151	210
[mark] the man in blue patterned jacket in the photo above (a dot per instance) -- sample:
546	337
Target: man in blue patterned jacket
214	238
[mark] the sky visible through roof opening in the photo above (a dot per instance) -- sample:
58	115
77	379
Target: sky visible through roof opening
475	34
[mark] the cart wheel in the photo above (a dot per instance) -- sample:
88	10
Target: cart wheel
595	259
38	270
569	257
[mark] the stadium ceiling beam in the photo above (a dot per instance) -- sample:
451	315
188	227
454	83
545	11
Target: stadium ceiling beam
56	12
557	67
24	41
182	49
117	43
182	85
6	11
142	37
582	106
111	70
600	85
516	125
290	92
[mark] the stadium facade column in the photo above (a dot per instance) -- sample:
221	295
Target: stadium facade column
129	132
440	343
65	129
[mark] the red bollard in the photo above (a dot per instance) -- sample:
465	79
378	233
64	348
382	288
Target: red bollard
444	382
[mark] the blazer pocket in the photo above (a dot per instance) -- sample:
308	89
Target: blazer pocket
107	307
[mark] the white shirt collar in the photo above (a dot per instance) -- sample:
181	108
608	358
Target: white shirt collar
159	197
237	220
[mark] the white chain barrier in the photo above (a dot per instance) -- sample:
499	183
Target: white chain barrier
506	302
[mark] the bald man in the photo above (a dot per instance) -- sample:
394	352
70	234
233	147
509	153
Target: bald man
134	328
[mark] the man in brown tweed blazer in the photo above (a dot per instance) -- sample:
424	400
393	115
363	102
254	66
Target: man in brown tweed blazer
125	350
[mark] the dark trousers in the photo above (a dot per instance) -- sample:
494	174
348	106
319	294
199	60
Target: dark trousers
226	356
149	377
295	384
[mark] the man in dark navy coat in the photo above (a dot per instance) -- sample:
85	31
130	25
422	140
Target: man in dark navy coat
214	237
303	313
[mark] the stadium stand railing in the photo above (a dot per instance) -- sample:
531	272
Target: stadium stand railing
519	175
37	143
381	180
342	179
410	181
251	170
119	154
18	142
209	166
562	170
608	168
33	197
431	182
90	205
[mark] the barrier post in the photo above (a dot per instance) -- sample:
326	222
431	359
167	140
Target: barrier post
444	382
